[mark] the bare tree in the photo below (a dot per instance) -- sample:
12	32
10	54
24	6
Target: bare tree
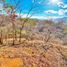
33	6
12	14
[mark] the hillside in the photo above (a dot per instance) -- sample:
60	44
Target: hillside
43	43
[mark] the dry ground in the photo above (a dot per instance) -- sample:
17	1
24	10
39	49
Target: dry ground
33	53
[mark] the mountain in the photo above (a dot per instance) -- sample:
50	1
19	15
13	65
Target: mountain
59	19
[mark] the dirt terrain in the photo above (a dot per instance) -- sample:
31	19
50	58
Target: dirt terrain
33	53
44	45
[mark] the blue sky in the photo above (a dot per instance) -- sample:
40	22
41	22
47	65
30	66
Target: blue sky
41	8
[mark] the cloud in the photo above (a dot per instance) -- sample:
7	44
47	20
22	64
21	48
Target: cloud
33	16
61	4
51	12
41	17
59	12
23	15
1	6
62	12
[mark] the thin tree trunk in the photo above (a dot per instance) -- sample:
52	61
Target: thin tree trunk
48	36
20	37
1	39
13	33
21	33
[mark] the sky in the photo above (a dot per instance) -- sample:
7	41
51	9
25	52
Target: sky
40	9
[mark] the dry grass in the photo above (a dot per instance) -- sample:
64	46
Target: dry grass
33	53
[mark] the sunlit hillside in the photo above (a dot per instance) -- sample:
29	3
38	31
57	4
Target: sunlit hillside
33	33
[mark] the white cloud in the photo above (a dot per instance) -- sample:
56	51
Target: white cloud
51	12
41	17
1	6
57	2
59	12
23	15
61	4
38	17
53	2
62	12
47	17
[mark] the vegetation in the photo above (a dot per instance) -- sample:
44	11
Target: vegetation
27	42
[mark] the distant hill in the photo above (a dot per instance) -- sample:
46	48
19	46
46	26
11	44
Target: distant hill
59	19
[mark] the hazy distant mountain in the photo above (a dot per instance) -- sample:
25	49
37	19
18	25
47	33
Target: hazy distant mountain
60	19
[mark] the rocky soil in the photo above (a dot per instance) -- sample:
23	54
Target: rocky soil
33	53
